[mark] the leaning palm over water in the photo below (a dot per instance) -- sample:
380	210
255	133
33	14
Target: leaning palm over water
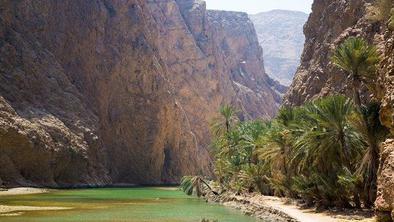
195	184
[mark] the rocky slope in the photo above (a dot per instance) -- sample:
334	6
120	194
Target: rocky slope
280	34
108	91
329	24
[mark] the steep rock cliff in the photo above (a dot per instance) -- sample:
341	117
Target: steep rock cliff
385	199
108	91
329	24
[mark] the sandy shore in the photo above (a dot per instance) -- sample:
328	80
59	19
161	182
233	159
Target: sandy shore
22	191
18	210
7	210
309	215
275	209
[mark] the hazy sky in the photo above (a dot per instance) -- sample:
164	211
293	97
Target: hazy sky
255	6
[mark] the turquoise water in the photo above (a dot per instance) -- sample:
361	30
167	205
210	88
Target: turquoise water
120	204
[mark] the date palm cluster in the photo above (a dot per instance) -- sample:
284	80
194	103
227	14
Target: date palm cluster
325	153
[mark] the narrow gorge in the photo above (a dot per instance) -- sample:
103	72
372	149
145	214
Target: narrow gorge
111	92
129	93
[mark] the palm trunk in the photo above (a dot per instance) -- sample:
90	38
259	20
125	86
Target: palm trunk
370	183
209	187
356	92
357	101
375	165
346	150
227	126
356	199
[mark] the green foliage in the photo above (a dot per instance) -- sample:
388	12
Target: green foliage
328	140
224	123
373	133
317	152
359	60
195	185
357	57
187	185
327	146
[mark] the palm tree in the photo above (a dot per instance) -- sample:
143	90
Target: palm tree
276	146
224	123
250	134
274	149
358	59
253	176
232	151
222	171
329	144
287	115
276	140
195	184
374	133
225	144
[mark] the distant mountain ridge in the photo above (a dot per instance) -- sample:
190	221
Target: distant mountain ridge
280	33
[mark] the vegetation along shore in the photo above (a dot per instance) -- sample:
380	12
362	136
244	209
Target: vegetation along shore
324	154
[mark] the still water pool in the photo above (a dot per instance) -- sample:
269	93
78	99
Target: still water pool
120	204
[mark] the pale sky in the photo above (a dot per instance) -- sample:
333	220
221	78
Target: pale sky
256	6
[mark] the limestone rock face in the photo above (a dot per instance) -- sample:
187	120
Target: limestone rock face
108	91
48	135
38	148
329	24
385	199
386	79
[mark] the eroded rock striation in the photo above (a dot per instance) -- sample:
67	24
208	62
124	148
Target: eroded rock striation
329	24
107	91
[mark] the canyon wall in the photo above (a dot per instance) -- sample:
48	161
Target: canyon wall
108	91
330	23
385	199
